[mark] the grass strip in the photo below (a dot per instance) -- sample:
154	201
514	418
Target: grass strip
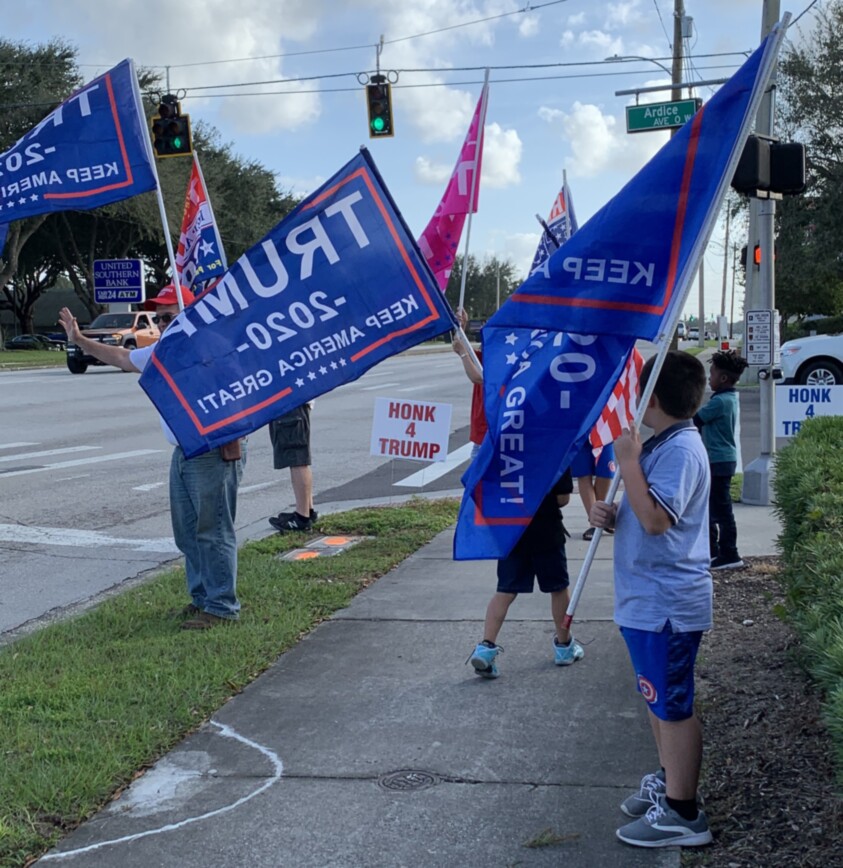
12	360
86	703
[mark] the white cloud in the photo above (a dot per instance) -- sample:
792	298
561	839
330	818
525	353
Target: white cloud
520	248
529	25
576	20
622	15
300	186
501	157
567	39
431	173
604	44
598	142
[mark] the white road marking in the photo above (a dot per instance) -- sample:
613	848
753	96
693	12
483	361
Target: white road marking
62	536
63	451
413	388
245	489
150	486
433	471
117	456
381	386
227	732
15	445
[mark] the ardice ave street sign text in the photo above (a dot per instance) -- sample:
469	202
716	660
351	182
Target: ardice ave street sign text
660	115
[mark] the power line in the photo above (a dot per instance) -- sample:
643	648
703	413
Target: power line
436	84
440	70
530	7
661	21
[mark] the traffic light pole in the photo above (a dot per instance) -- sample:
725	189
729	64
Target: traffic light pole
758	474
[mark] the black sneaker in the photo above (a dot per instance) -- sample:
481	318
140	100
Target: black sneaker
290	521
284	518
726	563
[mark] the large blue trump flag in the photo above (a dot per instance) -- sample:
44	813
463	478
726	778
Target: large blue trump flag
91	150
623	275
336	287
620	273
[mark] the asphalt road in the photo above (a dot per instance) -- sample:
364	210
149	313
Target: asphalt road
83	474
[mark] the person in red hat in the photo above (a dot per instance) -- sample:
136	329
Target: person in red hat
203	489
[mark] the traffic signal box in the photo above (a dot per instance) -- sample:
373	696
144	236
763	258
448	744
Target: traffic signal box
171	130
379	101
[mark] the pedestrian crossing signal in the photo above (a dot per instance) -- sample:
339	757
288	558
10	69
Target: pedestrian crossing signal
379	101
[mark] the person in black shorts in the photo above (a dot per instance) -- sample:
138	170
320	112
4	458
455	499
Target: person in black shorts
290	436
540	553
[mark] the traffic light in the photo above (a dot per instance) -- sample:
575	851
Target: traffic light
379	100
171	130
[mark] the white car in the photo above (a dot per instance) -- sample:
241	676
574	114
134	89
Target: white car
813	361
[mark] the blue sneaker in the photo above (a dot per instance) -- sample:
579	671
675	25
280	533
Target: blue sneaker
567	654
483	660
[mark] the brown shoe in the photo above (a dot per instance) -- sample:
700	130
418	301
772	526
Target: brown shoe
205	620
187	611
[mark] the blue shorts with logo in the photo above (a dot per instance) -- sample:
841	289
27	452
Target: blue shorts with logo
517	571
664	668
585	465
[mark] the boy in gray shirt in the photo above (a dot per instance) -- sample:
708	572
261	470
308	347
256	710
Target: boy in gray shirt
663	595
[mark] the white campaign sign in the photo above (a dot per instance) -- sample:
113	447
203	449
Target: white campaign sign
795	404
411	429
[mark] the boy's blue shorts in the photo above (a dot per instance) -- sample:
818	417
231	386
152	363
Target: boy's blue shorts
664	666
516	572
585	465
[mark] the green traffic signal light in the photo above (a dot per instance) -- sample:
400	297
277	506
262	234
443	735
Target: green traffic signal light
379	102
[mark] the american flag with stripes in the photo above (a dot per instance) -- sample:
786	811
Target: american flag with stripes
619	411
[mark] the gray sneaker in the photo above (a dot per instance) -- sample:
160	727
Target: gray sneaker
639	803
661	826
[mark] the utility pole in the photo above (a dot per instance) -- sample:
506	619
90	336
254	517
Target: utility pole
701	309
758	474
734	269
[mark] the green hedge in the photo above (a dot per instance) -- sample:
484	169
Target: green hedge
809	502
831	325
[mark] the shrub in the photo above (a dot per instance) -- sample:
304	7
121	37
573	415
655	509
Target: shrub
809	503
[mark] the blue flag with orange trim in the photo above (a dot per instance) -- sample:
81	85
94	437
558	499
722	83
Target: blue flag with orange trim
623	275
336	287
92	150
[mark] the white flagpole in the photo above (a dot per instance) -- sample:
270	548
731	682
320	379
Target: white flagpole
167	239
475	180
211	209
684	282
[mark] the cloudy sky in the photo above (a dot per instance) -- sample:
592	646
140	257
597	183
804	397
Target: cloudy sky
279	80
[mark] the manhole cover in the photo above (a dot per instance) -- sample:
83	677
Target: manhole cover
407	780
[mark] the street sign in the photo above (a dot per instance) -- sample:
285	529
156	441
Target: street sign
762	345
118	280
660	115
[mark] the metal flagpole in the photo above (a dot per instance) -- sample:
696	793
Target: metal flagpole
765	73
481	130
161	210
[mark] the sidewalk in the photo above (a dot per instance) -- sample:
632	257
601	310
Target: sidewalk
371	743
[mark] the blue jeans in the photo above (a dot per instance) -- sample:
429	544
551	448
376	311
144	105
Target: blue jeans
203	506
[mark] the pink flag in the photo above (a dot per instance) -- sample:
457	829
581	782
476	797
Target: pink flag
441	237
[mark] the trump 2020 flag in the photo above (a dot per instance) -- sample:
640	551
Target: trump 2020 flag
336	287
624	275
92	150
200	256
562	224
623	272
441	237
